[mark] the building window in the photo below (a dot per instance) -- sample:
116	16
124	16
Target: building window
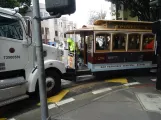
119	18
134	41
42	30
55	21
119	41
103	41
65	36
148	42
56	33
47	31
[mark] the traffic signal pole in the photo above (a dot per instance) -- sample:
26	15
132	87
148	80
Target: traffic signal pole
40	59
157	30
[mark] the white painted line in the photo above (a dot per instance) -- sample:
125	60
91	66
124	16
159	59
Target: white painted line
154	80
65	101
129	84
51	106
101	90
11	119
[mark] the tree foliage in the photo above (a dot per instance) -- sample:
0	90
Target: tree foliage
96	15
15	3
138	8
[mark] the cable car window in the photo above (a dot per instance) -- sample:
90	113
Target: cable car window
134	41
103	41
119	41
89	40
148	42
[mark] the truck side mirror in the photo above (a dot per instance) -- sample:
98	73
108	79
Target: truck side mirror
62	7
28	22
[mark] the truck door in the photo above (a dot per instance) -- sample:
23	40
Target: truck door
13	52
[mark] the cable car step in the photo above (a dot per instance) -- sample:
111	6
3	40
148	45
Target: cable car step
78	72
84	77
12	100
83	72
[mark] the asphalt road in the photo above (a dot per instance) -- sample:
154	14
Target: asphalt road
70	89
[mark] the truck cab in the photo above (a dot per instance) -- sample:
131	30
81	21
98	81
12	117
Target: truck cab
18	60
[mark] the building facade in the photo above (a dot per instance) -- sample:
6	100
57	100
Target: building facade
53	30
123	13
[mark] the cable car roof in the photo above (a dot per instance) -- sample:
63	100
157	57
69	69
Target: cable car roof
80	30
114	25
100	22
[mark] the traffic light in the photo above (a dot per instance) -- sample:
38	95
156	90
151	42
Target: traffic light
62	7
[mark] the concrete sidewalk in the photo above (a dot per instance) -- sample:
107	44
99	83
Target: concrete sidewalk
140	102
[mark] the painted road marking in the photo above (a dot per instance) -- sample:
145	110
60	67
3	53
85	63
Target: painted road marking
61	103
51	106
101	90
154	80
65	101
118	80
133	83
56	98
3	119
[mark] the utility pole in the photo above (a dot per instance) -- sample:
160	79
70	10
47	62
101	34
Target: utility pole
157	30
40	60
56	8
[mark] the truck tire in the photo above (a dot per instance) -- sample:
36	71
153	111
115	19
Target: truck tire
53	83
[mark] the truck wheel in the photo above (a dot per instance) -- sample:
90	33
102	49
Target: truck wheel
53	83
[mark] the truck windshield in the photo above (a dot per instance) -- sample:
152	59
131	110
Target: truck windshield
10	28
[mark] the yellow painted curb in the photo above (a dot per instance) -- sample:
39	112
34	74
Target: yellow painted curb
3	119
118	80
56	98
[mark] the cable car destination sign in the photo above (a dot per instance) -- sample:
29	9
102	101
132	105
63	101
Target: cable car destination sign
129	25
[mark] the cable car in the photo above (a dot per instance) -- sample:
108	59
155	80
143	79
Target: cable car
110	45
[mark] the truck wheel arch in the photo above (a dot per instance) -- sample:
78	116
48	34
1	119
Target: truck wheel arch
49	65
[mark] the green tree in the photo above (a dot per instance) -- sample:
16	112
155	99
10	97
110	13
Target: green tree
138	8
15	3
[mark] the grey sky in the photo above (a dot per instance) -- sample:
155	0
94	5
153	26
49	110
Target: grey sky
84	6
